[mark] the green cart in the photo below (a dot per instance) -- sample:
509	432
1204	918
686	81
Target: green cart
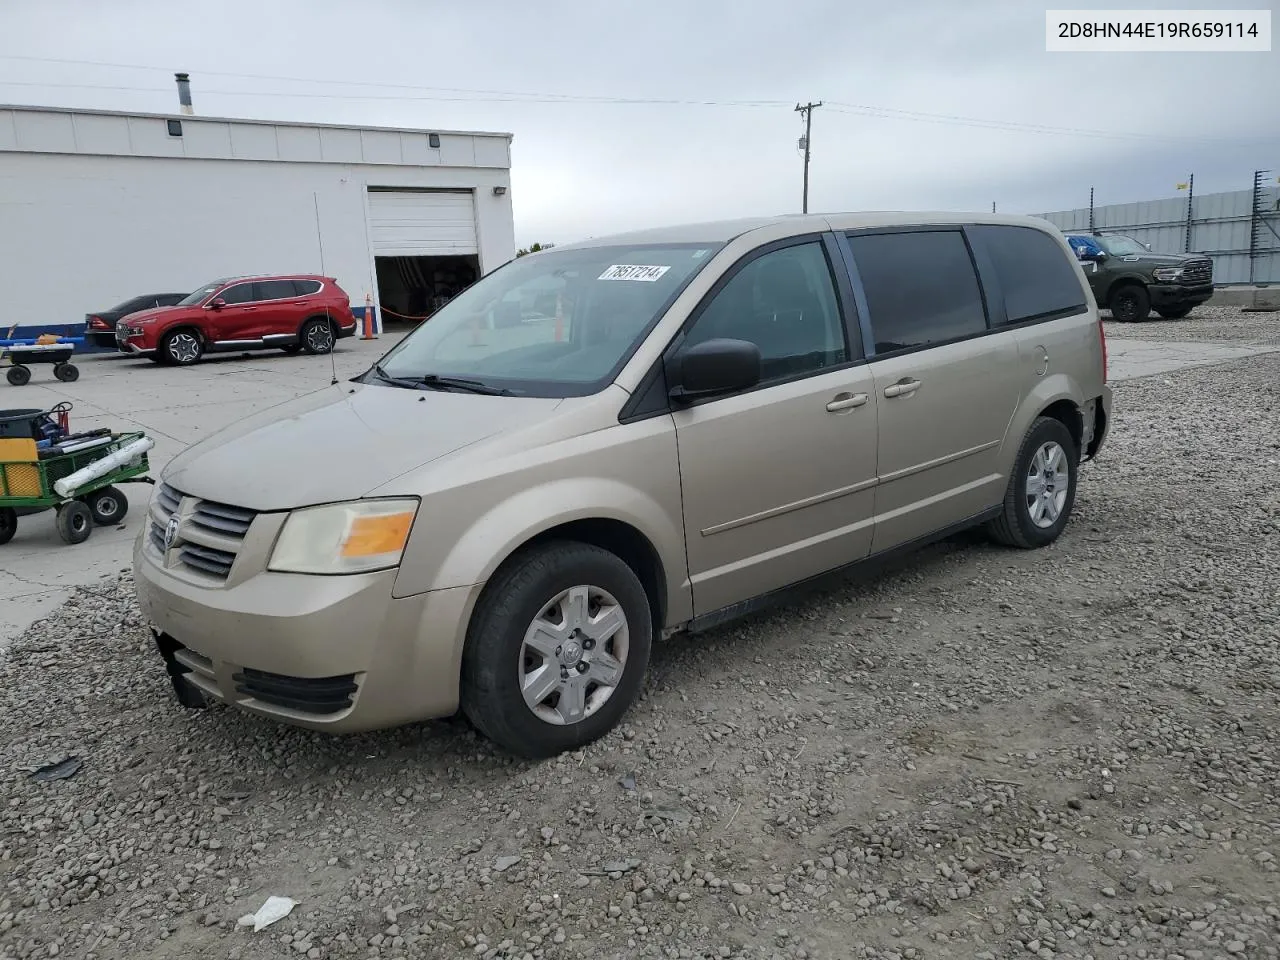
79	483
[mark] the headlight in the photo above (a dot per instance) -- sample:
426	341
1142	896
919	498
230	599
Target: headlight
1167	273
353	537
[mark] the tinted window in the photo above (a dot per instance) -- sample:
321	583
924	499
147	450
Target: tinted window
240	293
274	290
785	303
1037	278
306	288
131	306
170	299
921	287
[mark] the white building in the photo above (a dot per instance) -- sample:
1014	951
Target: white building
97	207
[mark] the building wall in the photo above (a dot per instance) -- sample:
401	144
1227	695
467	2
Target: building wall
97	208
1221	225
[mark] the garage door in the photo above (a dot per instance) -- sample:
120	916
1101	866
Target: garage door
421	224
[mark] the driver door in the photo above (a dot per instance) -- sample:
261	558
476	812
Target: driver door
238	320
778	480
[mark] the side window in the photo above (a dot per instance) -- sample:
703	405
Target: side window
921	287
240	293
306	288
274	290
1037	278
785	303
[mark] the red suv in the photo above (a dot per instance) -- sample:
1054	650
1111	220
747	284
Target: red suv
290	313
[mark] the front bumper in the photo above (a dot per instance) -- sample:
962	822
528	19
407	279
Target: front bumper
338	654
1178	295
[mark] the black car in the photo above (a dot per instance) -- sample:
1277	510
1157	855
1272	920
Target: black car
100	327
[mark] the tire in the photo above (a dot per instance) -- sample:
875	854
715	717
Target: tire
1130	303
19	376
8	524
1174	313
75	522
108	506
67	372
1017	525
181	348
497	663
317	336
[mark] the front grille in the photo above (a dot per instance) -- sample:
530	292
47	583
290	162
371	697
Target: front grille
209	533
319	695
1197	271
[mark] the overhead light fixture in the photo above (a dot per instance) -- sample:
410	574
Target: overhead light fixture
499	191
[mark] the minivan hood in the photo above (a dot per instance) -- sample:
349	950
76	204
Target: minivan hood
340	443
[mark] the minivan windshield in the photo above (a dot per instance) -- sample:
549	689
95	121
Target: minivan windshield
191	299
1119	246
555	324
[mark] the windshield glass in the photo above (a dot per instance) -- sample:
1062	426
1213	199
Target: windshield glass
554	324
1122	246
191	299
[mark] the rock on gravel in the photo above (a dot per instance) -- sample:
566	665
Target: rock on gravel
984	754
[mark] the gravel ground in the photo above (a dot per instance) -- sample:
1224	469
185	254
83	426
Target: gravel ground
1231	324
985	754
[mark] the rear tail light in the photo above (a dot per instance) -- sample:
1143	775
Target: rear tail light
97	323
1102	338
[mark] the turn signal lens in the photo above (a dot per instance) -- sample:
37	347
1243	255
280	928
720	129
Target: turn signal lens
354	537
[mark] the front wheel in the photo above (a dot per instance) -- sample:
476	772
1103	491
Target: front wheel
107	505
75	522
182	348
1174	313
8	524
67	372
1042	489
317	336
18	376
557	649
1130	304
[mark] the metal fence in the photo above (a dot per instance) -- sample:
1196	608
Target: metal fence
1239	230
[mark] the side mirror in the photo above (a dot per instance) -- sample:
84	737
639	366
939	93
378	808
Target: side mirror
713	367
217	303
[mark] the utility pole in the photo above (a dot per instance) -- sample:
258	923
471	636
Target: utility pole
807	109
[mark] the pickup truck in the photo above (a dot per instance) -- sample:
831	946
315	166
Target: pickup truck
1130	281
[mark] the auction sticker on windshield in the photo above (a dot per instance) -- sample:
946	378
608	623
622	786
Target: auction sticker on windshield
633	271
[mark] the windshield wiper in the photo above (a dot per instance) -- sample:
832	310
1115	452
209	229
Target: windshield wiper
433	381
394	381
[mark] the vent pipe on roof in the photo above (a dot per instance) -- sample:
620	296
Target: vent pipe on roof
184	93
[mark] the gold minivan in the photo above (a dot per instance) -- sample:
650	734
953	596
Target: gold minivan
619	439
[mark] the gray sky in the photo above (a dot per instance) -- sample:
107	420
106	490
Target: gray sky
583	168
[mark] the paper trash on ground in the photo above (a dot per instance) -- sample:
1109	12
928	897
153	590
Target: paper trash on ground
276	908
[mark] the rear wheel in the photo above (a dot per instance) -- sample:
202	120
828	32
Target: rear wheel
8	524
1174	313
1042	489
107	505
67	372
75	522
317	336
1130	304
182	347
557	649
19	376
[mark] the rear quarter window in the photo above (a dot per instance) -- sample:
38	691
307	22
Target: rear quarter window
306	288
1038	280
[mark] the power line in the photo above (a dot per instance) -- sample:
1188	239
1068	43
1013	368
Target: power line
476	95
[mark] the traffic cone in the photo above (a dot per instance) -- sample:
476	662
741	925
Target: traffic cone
368	333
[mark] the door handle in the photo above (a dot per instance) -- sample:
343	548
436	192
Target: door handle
846	401
904	387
